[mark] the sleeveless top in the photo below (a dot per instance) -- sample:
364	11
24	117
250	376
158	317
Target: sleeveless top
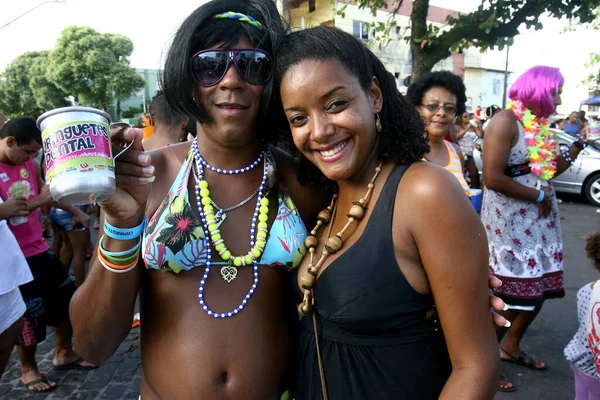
21	181
454	166
374	338
526	250
573	129
174	238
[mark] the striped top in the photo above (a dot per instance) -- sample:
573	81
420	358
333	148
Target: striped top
454	166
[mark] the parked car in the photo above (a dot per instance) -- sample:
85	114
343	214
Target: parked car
583	177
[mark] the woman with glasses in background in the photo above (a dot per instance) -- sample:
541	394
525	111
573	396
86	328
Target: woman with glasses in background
439	96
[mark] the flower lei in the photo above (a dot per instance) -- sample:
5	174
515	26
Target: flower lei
539	139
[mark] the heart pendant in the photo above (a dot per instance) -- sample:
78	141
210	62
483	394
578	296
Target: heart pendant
220	217
228	273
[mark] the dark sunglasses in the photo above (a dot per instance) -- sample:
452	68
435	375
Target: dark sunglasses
210	66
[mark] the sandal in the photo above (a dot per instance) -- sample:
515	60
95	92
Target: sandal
505	382
43	379
524	360
75	365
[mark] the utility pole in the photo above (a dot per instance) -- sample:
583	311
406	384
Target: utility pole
505	79
28	11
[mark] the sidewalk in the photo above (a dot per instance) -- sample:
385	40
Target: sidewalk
118	378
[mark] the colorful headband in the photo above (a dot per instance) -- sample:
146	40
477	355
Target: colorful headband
241	17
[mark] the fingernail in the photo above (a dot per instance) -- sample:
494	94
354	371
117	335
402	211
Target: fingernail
500	282
148	170
144	158
505	307
148	180
507	324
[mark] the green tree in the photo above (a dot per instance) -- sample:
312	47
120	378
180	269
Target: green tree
494	24
593	79
93	67
25	89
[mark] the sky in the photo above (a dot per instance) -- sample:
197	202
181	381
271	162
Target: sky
151	27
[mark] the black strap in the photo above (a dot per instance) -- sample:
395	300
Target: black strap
512	171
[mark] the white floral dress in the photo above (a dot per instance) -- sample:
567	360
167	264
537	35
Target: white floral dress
526	251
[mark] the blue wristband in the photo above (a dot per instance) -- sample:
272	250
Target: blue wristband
541	197
124	234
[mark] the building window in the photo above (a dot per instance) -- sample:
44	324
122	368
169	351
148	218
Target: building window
497	85
360	30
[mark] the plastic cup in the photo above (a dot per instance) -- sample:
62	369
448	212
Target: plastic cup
476	197
17	220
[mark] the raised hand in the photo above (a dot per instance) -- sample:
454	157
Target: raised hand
14	207
134	173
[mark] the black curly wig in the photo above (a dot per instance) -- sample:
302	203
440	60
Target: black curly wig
401	140
444	79
200	31
592	248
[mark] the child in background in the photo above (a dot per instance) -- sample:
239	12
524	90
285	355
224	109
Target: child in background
583	351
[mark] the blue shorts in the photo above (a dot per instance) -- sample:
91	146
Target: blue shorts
62	219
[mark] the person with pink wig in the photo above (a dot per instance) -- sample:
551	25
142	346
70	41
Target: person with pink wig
520	211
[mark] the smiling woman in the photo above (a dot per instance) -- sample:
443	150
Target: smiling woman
384	315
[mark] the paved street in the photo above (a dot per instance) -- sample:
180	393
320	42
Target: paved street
119	378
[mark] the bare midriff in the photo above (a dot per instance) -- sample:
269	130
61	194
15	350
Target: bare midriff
187	354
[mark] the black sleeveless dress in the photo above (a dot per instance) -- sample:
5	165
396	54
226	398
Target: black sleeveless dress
374	338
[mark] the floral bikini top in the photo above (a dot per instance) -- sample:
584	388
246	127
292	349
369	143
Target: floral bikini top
174	239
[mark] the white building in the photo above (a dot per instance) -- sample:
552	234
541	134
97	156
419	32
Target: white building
483	74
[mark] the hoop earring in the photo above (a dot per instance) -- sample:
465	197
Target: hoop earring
378	126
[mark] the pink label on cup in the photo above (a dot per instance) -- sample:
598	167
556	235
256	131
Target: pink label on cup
76	147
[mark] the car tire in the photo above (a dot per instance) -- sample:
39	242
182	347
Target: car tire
592	189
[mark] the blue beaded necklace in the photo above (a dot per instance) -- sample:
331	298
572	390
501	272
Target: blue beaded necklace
207	243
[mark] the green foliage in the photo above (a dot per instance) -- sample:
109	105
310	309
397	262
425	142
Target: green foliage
493	25
93	66
131	112
25	88
592	79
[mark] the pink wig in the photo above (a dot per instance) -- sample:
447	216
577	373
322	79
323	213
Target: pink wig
535	89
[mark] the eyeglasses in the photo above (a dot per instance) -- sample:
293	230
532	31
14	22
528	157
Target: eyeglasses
209	66
448	109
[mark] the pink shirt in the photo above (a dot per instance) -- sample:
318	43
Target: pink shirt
20	180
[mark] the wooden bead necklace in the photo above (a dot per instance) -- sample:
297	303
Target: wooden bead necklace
332	244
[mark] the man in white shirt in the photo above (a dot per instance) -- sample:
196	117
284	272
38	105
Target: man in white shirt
14	272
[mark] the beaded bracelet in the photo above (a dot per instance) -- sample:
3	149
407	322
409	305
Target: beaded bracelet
579	145
124	234
119	269
567	156
119	253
